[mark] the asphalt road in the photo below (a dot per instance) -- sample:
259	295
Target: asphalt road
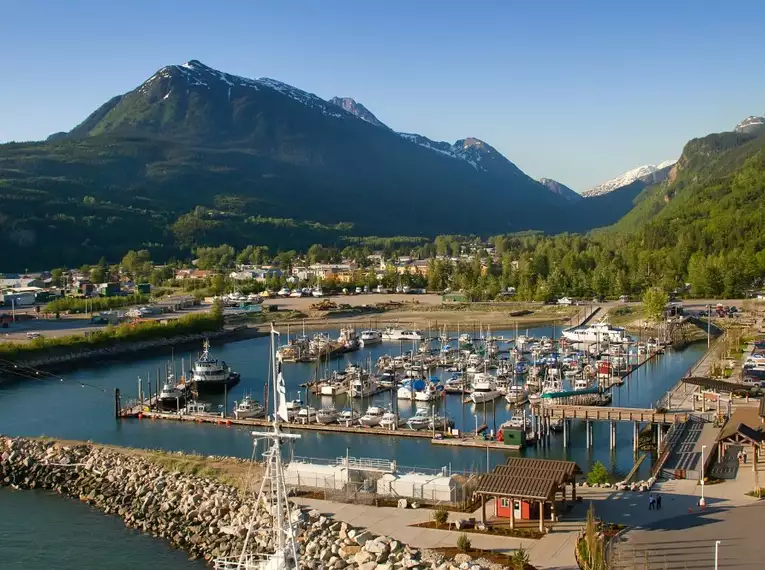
687	542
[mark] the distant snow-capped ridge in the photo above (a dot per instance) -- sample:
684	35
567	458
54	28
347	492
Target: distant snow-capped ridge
749	124
647	173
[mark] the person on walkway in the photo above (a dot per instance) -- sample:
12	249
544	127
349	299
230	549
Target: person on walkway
658	502
744	455
650	503
739	456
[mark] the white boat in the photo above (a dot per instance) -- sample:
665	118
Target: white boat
401	334
248	408
327	415
372	417
195	407
440	423
484	390
420	420
597	333
293	409
171	397
296	293
317	292
518	422
348	417
405	392
284	292
371	337
307	415
363	386
516	394
430	392
581	384
389	420
210	375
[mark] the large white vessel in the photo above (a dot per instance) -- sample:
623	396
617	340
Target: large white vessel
401	334
248	408
371	337
372	416
599	332
210	375
484	390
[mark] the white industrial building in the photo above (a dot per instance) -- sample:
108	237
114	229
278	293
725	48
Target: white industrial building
438	488
16	298
298	474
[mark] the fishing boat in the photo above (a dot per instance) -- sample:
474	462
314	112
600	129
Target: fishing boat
420	420
293	409
363	386
516	394
348	339
198	408
248	408
484	390
371	337
334	387
210	375
372	417
455	384
518	421
389	420
581	384
327	415
171	397
391	333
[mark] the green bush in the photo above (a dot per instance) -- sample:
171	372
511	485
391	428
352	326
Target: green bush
599	474
463	543
440	516
80	305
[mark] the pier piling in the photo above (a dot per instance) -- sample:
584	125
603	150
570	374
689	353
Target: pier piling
588	431
612	429
635	436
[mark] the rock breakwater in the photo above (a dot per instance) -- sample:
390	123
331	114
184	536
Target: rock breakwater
202	516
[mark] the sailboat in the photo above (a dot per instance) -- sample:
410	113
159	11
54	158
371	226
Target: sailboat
273	495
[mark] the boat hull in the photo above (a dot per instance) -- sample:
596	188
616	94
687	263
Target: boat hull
215	386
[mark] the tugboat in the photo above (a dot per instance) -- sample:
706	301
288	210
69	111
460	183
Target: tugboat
171	397
210	375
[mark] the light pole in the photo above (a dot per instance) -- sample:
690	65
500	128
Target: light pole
717	550
476	424
702	502
709	324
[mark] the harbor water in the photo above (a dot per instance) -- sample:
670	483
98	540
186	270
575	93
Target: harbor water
79	405
40	530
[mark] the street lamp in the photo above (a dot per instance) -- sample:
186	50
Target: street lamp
702	502
717	549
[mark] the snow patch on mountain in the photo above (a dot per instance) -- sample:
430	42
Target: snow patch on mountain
640	173
749	124
560	189
356	109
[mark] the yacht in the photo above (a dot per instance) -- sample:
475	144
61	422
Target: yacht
171	397
389	420
371	337
516	394
348	417
248	408
327	415
484	390
518	421
363	386
293	409
597	333
420	420
440	423
401	334
210	375
429	392
455	384
372	417
409	387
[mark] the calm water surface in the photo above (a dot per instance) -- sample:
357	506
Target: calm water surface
79	405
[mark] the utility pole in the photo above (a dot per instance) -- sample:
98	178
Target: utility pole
709	325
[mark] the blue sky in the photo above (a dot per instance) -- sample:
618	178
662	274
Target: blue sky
576	91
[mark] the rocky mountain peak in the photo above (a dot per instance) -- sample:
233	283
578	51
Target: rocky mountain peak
357	109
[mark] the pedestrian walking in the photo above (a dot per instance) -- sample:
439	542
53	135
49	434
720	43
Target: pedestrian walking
658	502
744	454
739	456
650	503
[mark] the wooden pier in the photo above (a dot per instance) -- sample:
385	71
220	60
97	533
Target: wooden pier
607	413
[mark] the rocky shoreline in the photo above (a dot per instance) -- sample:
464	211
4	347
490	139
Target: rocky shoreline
202	516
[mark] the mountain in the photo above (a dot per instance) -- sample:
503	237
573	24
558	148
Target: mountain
750	124
648	173
195	156
358	110
560	189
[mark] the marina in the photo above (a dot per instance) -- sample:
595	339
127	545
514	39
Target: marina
84	409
